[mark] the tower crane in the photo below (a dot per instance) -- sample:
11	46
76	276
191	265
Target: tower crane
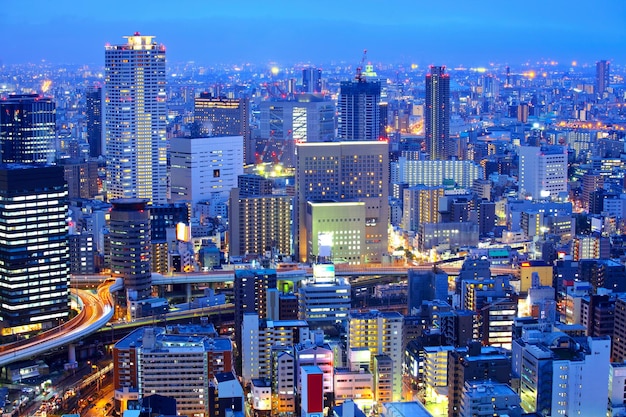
359	70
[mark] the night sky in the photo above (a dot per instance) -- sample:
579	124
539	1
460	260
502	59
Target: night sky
471	32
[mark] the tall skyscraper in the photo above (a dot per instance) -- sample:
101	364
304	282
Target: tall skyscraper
93	113
345	172
27	129
359	110
312	80
602	76
221	116
437	112
135	119
34	273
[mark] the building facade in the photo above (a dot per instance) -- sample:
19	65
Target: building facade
345	171
34	274
542	171
205	168
27	129
135	118
359	111
131	246
381	334
437	113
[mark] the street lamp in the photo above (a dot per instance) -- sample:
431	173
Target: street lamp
95	366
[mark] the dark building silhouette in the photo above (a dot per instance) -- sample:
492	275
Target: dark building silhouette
602	76
426	286
312	80
129	235
93	113
165	216
27	129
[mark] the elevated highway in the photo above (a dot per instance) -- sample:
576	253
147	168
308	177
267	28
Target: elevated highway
97	310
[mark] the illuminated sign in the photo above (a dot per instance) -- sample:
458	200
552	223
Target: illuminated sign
323	273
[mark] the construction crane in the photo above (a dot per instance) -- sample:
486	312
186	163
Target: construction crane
359	70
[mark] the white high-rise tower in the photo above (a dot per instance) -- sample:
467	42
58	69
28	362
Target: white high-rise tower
135	120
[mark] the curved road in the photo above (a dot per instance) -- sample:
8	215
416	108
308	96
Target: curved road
96	312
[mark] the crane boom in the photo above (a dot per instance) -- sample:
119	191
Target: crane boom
359	70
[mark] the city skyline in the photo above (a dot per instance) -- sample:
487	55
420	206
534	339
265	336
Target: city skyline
72	32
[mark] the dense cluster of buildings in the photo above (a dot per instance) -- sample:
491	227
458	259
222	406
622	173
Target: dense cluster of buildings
518	178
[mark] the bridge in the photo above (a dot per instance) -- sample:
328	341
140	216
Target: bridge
96	310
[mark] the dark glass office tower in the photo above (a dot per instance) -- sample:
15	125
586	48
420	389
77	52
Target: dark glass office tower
93	113
34	252
27	129
312	80
221	116
437	113
359	110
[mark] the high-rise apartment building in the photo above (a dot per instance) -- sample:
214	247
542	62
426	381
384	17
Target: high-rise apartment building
619	338
260	224
437	113
602	76
542	171
261	337
34	273
345	172
381	334
420	205
93	116
359	110
27	129
250	288
135	116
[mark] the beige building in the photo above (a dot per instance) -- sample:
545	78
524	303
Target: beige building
259	222
420	205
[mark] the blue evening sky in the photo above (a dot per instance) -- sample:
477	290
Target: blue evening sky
473	32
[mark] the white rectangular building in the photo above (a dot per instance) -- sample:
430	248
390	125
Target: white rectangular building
542	171
205	168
